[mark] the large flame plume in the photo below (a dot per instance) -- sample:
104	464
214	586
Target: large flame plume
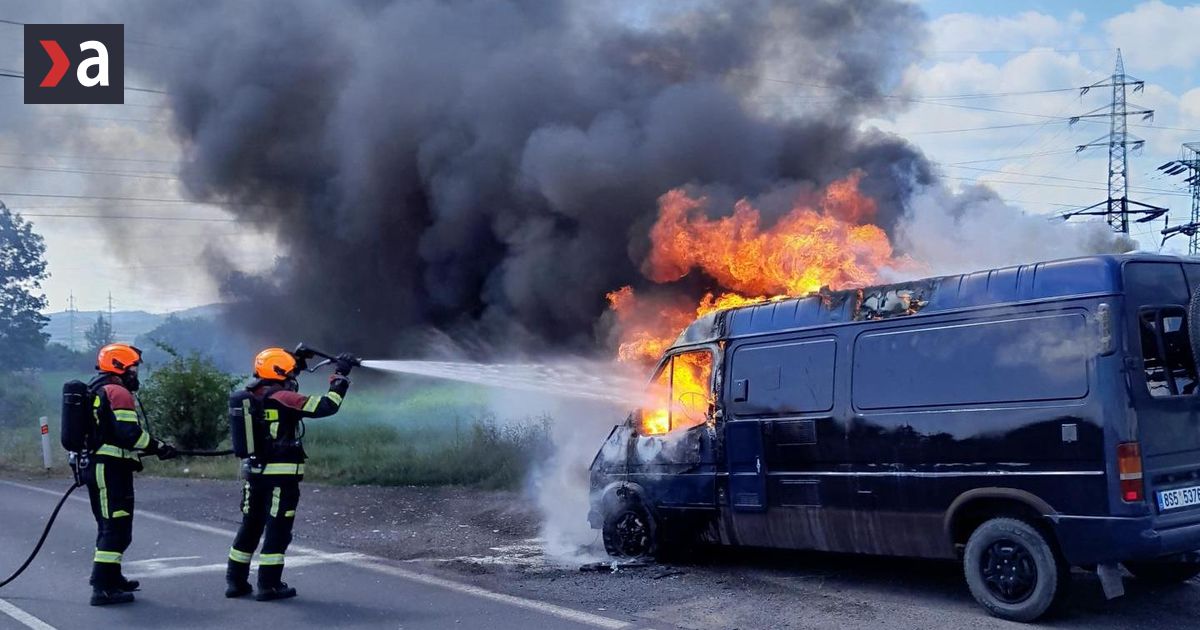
824	241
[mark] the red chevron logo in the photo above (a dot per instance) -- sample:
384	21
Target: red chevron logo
61	63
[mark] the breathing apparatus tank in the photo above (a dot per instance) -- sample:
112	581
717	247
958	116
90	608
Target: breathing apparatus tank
246	424
78	427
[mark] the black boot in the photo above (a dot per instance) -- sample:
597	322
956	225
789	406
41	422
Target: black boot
128	586
106	587
237	579
271	586
106	597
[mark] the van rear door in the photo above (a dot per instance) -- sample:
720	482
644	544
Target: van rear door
1164	384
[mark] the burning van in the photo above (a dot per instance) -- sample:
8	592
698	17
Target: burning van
1022	420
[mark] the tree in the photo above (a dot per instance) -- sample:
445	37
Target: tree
187	400
100	334
22	270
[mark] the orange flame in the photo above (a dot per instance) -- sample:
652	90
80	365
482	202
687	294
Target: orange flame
680	395
827	241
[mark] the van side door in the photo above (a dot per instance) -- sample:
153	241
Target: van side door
779	399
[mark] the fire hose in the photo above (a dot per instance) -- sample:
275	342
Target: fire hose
58	508
45	532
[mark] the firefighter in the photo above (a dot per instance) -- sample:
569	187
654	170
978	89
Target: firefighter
110	477
271	490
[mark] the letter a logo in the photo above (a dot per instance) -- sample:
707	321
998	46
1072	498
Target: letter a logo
75	63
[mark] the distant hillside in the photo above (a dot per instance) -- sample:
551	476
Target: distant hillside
126	324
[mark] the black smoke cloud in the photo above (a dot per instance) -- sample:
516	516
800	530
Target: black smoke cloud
495	166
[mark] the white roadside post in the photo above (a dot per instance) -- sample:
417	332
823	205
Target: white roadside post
45	423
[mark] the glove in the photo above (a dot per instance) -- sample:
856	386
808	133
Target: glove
345	362
166	451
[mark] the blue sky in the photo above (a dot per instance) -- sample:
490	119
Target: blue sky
1095	12
1027	46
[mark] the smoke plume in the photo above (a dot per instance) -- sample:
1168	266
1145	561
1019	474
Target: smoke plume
496	164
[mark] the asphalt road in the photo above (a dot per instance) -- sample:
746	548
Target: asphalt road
445	557
181	565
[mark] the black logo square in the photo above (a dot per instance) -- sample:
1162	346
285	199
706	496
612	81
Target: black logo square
75	63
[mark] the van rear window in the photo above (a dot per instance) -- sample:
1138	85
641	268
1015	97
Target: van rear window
1166	352
1157	294
1034	358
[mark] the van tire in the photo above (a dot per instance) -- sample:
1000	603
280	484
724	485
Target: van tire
1013	570
1163	572
630	531
1193	324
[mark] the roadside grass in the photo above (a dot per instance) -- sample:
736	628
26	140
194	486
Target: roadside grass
435	434
21	450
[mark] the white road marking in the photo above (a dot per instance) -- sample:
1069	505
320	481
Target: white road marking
382	565
156	568
569	614
167	559
24	618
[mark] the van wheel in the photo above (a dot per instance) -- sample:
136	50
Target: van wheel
1012	570
629	532
1193	323
1163	572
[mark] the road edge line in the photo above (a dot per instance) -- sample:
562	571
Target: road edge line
22	617
383	565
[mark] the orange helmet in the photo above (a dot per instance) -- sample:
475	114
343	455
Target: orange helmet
118	357
274	363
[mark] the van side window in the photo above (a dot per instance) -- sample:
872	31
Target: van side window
783	377
680	394
1167	351
1031	357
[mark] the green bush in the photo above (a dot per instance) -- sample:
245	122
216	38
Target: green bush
187	401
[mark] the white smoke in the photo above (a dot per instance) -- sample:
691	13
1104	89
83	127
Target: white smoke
947	233
560	484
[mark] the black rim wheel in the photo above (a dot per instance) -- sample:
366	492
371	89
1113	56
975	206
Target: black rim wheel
633	534
1009	571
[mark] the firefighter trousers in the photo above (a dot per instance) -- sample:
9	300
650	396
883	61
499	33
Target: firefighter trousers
268	512
110	488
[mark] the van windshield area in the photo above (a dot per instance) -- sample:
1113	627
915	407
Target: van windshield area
1166	351
680	394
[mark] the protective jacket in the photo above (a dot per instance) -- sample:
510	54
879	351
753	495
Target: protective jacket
271	492
110	477
118	423
283	412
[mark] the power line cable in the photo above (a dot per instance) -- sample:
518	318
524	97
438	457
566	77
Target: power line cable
1012	157
47	169
104	198
130	88
1059	178
139	42
975	180
126	217
60	156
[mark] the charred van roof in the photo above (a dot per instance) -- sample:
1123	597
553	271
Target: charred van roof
1037	281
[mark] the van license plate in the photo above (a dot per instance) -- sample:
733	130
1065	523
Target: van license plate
1178	498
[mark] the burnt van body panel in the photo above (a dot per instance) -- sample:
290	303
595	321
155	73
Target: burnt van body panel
890	420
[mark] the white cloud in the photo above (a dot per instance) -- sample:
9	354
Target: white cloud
1189	104
1171	30
1033	166
969	31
